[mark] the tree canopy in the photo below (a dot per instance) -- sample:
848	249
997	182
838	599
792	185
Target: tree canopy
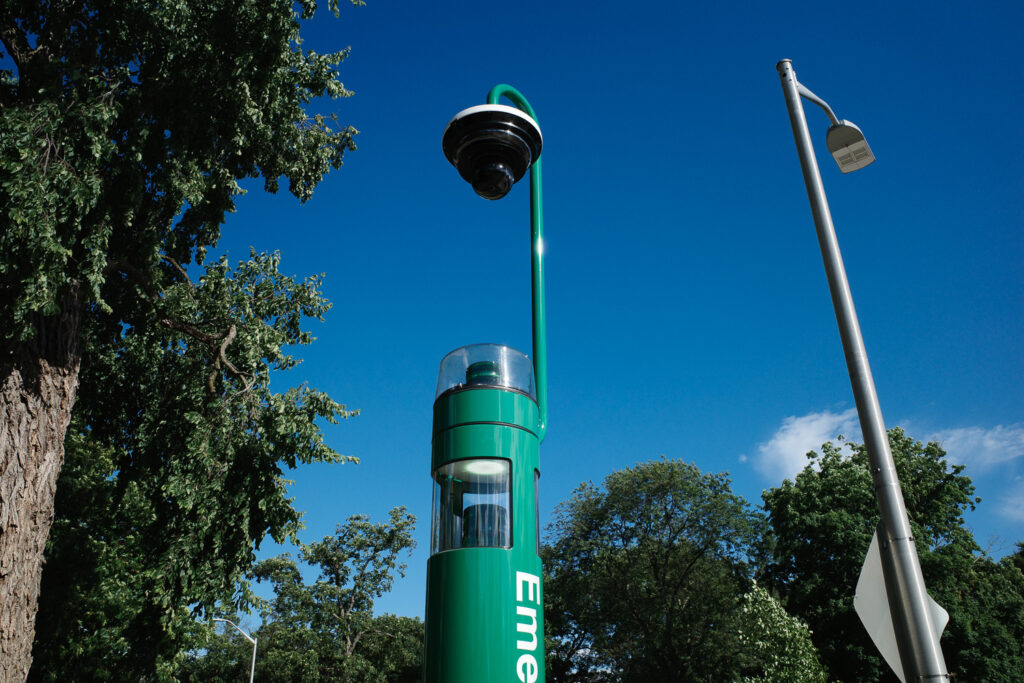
174	474
327	631
775	647
643	577
823	522
126	127
124	130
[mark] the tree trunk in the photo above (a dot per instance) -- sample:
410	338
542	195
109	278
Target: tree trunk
38	382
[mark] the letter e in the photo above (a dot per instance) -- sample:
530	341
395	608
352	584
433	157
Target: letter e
532	587
526	667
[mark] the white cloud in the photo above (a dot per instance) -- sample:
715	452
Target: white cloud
784	455
981	448
1011	505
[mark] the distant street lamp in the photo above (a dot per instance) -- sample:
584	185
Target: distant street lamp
484	607
251	639
916	620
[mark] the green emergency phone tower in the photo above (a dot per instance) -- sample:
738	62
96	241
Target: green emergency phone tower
484	612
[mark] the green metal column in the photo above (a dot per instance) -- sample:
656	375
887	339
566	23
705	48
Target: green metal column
484	610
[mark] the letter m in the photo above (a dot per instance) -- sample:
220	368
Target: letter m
529	628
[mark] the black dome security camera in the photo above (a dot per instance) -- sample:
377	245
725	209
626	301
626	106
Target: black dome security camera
492	146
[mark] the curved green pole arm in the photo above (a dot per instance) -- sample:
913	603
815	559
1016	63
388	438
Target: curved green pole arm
540	335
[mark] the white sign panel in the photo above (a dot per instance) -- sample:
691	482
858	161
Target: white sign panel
872	606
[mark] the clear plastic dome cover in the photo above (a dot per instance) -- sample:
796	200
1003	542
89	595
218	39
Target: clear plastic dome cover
486	365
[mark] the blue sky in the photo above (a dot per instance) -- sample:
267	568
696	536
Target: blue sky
689	314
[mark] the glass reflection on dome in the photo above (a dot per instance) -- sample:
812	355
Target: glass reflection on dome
486	365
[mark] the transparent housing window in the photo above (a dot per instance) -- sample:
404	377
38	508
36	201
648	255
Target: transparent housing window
486	365
472	505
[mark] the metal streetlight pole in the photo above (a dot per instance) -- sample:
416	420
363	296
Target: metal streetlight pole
484	606
252	669
911	609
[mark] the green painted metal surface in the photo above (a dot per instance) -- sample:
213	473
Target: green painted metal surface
484	610
539	312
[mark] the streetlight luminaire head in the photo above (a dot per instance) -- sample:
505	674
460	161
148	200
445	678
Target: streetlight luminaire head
492	146
848	146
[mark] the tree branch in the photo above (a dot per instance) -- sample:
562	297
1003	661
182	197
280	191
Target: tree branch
235	372
218	342
195	333
16	43
135	275
181	270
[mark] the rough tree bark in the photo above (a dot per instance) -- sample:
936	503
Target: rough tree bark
38	382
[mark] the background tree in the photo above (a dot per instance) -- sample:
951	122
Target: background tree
222	656
643	578
1017	558
394	646
326	631
390	651
774	646
174	472
823	522
124	127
